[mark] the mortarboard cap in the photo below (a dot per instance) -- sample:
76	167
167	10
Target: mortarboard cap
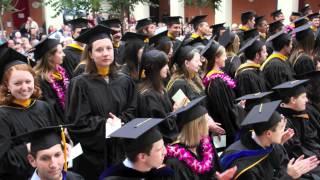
245	16
290	88
252	44
190	112
274	26
172	19
95	33
250	34
300	22
44	46
303	31
262	117
276	13
226	38
139	133
143	22
279	36
313	16
296	14
9	57
217	27
259	19
162	36
43	138
78	23
131	35
197	20
305	9
209	51
111	23
254	99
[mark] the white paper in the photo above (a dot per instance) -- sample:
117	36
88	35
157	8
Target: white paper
112	128
74	152
179	96
219	143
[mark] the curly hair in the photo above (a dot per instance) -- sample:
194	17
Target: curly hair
5	98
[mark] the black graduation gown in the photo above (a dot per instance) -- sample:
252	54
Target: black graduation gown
72	59
121	172
181	83
118	53
303	64
156	105
306	139
79	70
249	79
49	95
16	120
90	100
277	71
222	109
273	166
73	176
231	65
182	171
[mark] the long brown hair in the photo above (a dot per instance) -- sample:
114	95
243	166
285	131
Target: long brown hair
45	65
5	97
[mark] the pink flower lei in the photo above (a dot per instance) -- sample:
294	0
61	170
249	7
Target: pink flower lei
196	166
60	91
227	79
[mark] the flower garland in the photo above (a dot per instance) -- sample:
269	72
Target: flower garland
60	91
183	154
227	79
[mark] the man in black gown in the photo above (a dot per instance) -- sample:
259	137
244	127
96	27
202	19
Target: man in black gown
74	50
259	153
174	30
145	152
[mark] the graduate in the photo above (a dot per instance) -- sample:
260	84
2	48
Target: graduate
145	152
97	98
47	153
54	79
301	58
262	27
315	20
247	23
275	68
193	155
201	29
163	43
306	10
249	78
115	25
132	52
277	15
174	29
21	111
274	28
231	42
251	100
146	26
219	88
74	50
186	77
153	99
305	125
259	153
217	30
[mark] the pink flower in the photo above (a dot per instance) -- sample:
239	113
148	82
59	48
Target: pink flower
227	79
60	91
183	154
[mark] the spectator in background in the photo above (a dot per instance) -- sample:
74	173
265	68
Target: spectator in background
31	24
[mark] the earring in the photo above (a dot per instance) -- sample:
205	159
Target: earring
8	93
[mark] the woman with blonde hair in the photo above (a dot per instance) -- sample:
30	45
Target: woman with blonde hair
20	112
53	78
193	155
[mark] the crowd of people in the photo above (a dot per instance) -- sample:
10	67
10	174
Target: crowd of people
147	105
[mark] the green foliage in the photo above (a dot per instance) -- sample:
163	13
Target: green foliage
7	6
213	4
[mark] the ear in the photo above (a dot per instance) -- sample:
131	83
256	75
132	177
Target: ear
186	63
141	157
32	160
293	100
268	133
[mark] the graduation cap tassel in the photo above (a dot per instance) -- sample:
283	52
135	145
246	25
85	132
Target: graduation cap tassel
63	137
